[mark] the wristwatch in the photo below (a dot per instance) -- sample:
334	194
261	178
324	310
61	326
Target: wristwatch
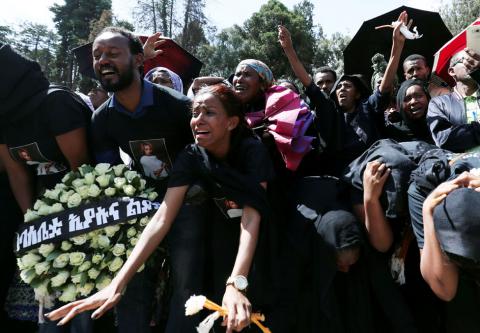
240	282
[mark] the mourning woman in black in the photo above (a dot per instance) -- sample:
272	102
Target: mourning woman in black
234	166
412	104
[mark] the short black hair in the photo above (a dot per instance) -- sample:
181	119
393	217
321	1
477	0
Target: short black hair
134	42
327	69
415	57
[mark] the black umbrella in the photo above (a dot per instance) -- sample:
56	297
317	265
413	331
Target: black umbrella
175	58
368	41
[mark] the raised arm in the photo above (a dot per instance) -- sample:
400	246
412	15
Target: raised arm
153	234
439	273
397	47
286	42
379	230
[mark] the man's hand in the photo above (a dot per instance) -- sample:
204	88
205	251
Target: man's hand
471	60
151	44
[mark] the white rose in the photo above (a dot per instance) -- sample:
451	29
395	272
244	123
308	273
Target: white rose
60	278
66	246
44	210
118	169
30	215
83	191
152	196
141	268
74	200
61	187
103	180
28	275
78	182
20	264
144	221
128	252
97	258
30	259
131	232
68	177
77	258
46	249
103	282
65	195
79	240
143	183
39	203
93	273
110	191
84	169
94	242
76	278
115	264
69	294
85	266
52	194
102	168
55	208
133	241
103	241
111	230
89	178
86	289
61	261
94	191
130	175
42	267
119	182
132	221
118	249
129	190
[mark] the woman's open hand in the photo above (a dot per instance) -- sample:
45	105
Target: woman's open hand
103	300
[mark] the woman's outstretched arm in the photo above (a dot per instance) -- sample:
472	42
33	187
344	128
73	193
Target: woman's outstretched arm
153	234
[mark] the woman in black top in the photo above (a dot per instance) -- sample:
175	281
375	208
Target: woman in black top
412	104
234	166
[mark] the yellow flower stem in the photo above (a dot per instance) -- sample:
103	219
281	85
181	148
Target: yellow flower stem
255	317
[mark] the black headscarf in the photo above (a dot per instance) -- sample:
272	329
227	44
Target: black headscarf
412	129
23	86
339	229
457	223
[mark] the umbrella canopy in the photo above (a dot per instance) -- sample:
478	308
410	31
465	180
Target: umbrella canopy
443	55
175	58
368	41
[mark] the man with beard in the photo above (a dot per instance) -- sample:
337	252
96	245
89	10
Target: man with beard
454	119
141	112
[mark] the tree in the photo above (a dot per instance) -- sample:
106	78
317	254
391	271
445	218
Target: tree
6	34
72	20
155	15
459	14
194	20
329	51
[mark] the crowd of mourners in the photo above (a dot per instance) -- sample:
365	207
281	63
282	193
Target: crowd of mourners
345	207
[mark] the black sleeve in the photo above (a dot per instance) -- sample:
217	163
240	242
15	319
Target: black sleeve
183	171
378	101
64	113
446	135
327	119
415	205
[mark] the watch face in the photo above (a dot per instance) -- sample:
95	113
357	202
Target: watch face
240	282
